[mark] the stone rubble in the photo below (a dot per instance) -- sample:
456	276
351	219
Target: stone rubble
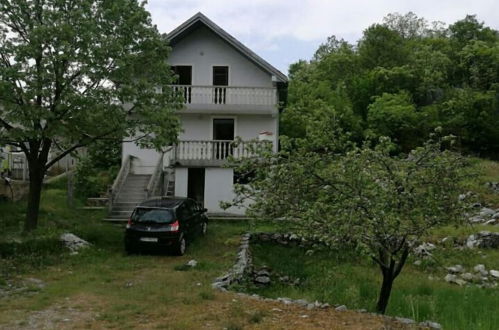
483	239
480	276
243	267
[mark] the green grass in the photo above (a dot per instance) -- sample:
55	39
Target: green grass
122	290
342	278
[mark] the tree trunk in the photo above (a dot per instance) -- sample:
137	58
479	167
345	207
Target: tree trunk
36	174
386	290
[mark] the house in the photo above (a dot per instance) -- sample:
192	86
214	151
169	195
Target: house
229	92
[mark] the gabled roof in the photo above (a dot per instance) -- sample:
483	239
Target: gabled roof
194	22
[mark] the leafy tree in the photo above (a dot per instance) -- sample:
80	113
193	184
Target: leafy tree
381	46
395	115
67	68
361	197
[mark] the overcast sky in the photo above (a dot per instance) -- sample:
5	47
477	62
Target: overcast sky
284	31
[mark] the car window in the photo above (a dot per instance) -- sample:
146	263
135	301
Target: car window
152	215
183	211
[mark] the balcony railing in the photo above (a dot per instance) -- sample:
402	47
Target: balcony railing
215	150
227	95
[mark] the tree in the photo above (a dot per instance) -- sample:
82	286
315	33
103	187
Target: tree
73	72
356	197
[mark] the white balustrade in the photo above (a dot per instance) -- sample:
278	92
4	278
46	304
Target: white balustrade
227	95
214	150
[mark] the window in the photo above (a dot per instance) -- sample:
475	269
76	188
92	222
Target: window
220	76
183	73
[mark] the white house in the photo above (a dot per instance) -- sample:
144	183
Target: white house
229	92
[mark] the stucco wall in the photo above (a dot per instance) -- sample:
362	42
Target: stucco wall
199	127
145	161
181	181
218	187
203	49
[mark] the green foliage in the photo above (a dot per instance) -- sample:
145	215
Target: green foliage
432	65
395	115
363	197
73	72
92	181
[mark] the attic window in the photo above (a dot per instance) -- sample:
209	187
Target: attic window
220	76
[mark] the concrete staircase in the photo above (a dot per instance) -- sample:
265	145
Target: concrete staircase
132	193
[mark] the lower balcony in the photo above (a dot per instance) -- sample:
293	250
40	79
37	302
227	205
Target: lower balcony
211	152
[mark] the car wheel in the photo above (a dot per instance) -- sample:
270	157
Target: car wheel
204	228
179	248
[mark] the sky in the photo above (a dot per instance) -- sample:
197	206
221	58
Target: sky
285	31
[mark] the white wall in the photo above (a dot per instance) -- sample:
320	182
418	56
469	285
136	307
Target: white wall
181	174
145	161
199	127
203	49
218	187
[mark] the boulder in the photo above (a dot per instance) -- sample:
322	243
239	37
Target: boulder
424	250
341	308
73	242
263	280
494	273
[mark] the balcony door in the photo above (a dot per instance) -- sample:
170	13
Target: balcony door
223	134
220	81
184	80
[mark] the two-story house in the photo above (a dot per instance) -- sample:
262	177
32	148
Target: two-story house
229	92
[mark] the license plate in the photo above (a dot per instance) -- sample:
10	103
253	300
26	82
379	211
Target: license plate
148	239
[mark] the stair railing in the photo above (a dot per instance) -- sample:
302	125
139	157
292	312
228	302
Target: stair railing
155	179
119	181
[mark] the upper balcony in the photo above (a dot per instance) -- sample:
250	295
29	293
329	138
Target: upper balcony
228	99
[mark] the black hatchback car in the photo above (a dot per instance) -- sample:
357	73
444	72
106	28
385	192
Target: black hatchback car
165	223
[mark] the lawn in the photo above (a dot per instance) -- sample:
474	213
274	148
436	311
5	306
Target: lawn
419	292
342	277
102	287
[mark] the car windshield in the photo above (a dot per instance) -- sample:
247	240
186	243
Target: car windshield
152	215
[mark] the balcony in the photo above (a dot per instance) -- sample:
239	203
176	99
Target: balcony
211	153
223	99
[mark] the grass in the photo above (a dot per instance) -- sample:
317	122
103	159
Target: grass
105	288
342	278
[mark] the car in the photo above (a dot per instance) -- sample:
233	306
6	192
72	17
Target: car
167	223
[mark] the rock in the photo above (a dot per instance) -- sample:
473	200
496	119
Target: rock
430	324
467	277
263	272
35	282
73	242
265	280
476	219
424	250
417	262
310	306
326	305
491	222
483	239
192	263
404	320
451	278
341	308
301	302
496	215
479	268
494	273
285	301
487	212
457	269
